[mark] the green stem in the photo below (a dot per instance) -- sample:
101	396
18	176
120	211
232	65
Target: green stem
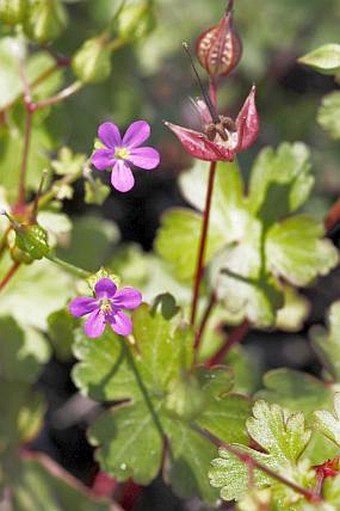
23	168
70	268
247	458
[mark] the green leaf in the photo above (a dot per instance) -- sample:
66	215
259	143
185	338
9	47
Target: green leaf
11	85
295	390
329	423
163	394
96	192
294	312
131	442
91	242
184	226
22	352
295	251
52	287
61	326
41	484
238	275
281	434
329	114
228	218
327	344
68	163
325	59
280	181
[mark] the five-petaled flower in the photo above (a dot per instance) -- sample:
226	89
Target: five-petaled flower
106	307
120	153
223	138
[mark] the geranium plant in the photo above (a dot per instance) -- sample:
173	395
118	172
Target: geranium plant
154	341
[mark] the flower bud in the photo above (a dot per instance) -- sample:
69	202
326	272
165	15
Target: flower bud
46	20
32	241
136	21
12	11
219	48
92	62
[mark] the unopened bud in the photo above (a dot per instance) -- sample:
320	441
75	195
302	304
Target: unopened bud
12	11
136	21
219	48
46	20
92	62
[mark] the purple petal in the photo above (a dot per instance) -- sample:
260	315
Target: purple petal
82	305
128	298
95	324
122	178
105	288
144	157
102	159
109	134
136	134
121	323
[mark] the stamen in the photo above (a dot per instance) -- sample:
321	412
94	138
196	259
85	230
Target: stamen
122	153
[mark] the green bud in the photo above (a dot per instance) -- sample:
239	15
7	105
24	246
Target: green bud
92	62
185	399
32	240
12	11
19	256
136	21
46	20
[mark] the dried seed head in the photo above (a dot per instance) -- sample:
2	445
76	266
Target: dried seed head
219	48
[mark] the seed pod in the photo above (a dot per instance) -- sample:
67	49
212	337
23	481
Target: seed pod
46	20
219	48
32	241
92	62
19	256
136	21
12	11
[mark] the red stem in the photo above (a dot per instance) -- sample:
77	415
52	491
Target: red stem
23	168
333	216
201	328
233	338
9	274
203	241
310	496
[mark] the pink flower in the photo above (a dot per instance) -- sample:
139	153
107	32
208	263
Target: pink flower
120	153
223	139
106	308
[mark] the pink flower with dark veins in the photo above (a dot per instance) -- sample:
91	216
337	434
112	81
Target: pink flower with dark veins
222	137
120	153
106	307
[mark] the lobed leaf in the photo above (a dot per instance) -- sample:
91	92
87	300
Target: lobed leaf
329	114
329	423
325	59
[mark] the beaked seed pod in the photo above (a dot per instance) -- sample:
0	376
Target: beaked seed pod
92	62
45	21
12	11
219	48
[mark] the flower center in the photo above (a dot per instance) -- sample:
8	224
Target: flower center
122	153
105	306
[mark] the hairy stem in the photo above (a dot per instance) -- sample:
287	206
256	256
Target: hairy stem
203	242
235	337
61	96
11	272
252	463
70	268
